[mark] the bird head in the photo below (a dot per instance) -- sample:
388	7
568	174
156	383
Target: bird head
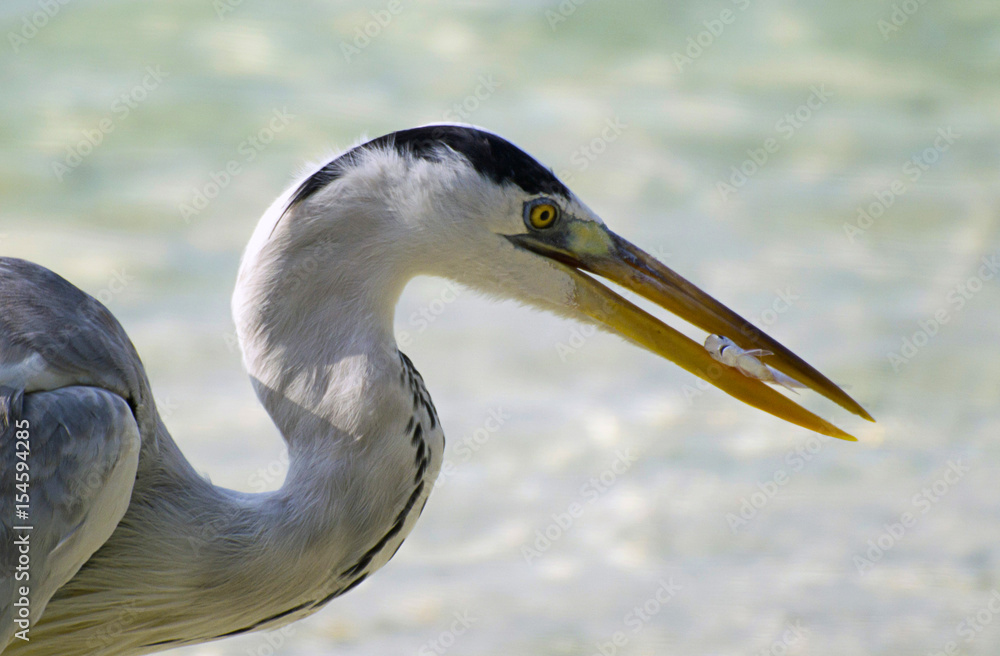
466	204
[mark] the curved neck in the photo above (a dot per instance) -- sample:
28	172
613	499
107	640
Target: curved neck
364	443
314	314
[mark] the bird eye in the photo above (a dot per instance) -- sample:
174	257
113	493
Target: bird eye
540	213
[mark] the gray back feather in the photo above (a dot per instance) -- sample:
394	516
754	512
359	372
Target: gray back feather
52	331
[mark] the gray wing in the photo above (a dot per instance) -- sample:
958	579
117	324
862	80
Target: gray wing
69	459
54	335
68	369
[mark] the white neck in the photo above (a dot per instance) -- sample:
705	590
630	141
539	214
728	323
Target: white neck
314	312
314	317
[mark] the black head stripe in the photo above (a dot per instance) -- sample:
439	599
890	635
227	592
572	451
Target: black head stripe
492	156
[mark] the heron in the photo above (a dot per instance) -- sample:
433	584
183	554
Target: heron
114	545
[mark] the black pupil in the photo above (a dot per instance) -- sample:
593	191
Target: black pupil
544	216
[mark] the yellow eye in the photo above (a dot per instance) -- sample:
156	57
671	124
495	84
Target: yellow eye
541	214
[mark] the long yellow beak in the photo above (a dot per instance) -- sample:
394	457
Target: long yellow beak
588	246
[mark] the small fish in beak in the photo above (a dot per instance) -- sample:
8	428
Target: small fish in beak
746	361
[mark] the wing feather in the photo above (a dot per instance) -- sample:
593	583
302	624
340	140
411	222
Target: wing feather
83	450
71	378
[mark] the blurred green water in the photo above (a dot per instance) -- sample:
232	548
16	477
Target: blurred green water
117	216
